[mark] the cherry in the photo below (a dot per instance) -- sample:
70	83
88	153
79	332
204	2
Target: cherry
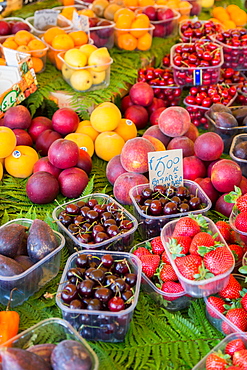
85	288
103	294
69	293
116	304
76	304
72	209
107	260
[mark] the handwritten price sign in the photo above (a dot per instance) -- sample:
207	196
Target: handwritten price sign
44	18
166	168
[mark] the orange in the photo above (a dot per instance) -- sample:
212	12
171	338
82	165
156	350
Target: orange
68	12
223	16
146	2
2	62
51	33
88	12
7	141
124	11
37	64
62	42
108	144
184	7
21	161
144	42
130	3
23	37
105	117
229	25
126	129
37	47
11	44
124	21
23	48
68	2
127	42
218	10
239	17
139	25
79	37
232	8
83	141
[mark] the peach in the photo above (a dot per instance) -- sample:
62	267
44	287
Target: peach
141	93
174	121
209	146
42	187
124	183
207	186
225	175
134	155
223	207
17	117
192	132
184	143
114	169
193	168
158	145
155	132
20	163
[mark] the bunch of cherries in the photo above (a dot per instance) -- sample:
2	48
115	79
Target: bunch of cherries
242	93
91	223
229	76
204	97
96	283
191	31
163	84
188	57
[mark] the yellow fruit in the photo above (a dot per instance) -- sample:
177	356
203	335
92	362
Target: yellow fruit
75	58
66	71
81	80
88	130
88	49
105	117
99	60
98	77
83	141
110	11
87	12
7	141
108	144
85	122
98	7
1	171
21	161
126	129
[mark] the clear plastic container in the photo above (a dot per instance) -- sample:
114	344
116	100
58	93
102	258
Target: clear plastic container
170	301
53	330
226	133
195	288
94	325
185	76
220	347
99	80
62	22
150	226
193	21
217	321
122	42
31	280
241	162
184	12
119	242
14	19
241	235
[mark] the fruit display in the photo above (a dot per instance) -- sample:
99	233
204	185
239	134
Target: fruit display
159	279
196	63
238	151
153	209
230	17
86	68
204	263
190	30
229	77
61	22
238	214
11	25
183	7
30	253
96	221
99	292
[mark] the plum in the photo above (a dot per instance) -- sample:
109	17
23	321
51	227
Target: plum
42	187
193	167
11	237
224	119
71	355
240	114
19	359
209	146
240	150
215	108
44	141
225	175
223	207
43	350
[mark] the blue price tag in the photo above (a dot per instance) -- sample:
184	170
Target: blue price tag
197	77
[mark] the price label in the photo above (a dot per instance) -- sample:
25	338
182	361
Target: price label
80	22
8	101
166	168
44	18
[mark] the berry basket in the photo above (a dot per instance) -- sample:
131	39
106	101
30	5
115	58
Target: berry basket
170	301
76	240
192	30
241	235
33	278
103	325
198	288
238	142
53	330
150	226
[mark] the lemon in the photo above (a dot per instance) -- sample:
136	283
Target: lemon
75	58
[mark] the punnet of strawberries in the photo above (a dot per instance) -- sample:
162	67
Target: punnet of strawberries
238	217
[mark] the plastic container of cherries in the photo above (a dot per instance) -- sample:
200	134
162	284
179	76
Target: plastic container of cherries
98	293
193	29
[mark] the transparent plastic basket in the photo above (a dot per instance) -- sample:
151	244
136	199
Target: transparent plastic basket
238	139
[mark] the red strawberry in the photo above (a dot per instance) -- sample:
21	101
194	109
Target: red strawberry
244	302
232	290
240	359
216	361
201	239
233	346
224	229
241	203
234	368
186	226
150	263
219	260
165	258
237	251
234	237
178	246
172	288
167	273
237	316
157	246
189	265
218	304
141	251
241	221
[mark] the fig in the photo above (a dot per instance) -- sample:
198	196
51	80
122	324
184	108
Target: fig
240	113
240	150
216	108
224	119
9	267
24	261
41	240
19	359
71	355
11	238
34	276
43	350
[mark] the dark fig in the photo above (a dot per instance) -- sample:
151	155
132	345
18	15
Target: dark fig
71	355
34	276
11	238
19	359
23	246
41	240
240	113
216	108
24	261
9	267
226	120
240	150
43	350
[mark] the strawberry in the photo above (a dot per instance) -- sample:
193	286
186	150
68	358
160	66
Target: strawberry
244	301
237	251
157	246
237	316
188	226
240	359
165	258
234	368
218	304
219	260
178	246
224	229
216	360
201	239
234	237
172	288
150	263
241	221
189	265
241	203
232	290
233	346
141	251
167	273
